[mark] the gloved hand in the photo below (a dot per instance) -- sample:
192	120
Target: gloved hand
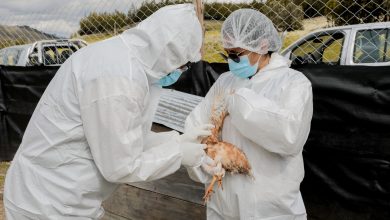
229	100
192	154
196	134
212	167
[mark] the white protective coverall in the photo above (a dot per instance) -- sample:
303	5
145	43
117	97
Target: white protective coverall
91	128
269	119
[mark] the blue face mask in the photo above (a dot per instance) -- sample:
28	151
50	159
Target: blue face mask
243	69
171	78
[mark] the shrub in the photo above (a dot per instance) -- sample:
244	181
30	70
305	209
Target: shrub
312	8
103	22
346	12
284	14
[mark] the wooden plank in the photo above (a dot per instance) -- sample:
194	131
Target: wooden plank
159	128
130	202
111	216
178	185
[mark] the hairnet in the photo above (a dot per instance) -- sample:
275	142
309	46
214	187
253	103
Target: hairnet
250	30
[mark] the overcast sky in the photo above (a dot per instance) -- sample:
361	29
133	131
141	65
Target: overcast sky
61	17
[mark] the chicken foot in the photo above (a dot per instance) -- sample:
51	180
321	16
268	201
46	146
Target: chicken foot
210	190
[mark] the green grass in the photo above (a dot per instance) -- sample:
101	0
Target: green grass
2	178
212	46
95	37
3	170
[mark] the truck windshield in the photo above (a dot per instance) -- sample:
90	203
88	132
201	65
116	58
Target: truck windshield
57	54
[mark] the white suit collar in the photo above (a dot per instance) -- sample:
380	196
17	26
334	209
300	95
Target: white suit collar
276	61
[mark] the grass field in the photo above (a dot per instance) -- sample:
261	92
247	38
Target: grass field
3	169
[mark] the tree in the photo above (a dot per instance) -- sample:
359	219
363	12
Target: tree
312	8
346	12
284	14
105	22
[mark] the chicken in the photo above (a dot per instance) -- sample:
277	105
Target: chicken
232	159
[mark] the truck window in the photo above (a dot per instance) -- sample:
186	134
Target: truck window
332	53
65	52
372	46
50	55
57	53
325	48
12	56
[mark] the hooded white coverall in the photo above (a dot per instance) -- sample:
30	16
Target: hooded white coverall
269	119
91	128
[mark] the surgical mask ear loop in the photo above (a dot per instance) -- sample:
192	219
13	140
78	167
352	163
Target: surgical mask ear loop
258	64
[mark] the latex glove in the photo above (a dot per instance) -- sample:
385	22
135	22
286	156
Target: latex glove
212	167
230	101
192	154
196	133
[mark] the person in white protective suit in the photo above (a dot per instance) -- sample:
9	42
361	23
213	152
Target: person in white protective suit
91	128
270	110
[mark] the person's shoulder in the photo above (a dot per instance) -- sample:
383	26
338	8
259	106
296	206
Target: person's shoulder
226	76
108	48
298	76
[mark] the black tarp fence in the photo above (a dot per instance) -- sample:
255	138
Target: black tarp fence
349	144
20	91
347	155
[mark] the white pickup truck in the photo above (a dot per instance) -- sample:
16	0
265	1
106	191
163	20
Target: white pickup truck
362	44
40	53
